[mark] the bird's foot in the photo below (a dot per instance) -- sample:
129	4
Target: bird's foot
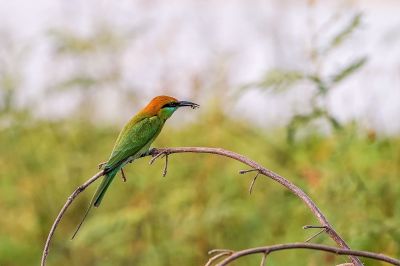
148	153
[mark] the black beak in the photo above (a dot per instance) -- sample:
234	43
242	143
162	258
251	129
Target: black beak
190	104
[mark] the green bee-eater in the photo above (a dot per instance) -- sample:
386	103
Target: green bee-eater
134	141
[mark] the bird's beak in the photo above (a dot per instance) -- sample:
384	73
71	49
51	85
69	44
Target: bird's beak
190	104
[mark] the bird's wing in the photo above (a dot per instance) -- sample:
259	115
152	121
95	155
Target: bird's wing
134	136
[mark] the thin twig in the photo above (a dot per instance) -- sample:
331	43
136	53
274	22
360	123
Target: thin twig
158	155
123	175
338	251
315	235
255	166
247	171
102	164
314	226
219	255
254	178
155	156
219	250
252	183
264	259
324	229
264	171
165	165
63	210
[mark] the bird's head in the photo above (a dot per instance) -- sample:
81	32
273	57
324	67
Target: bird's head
165	106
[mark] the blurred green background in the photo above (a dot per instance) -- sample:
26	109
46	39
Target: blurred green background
350	168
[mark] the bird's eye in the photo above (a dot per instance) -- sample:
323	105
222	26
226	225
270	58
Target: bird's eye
171	104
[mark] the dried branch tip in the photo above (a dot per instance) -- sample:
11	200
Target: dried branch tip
165	165
123	175
254	178
264	258
314	227
219	251
219	254
253	182
247	171
161	153
102	164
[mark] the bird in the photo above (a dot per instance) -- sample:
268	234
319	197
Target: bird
134	141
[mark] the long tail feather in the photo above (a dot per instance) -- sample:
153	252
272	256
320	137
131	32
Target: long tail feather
98	196
101	191
83	219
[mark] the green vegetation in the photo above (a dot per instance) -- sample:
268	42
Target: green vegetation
203	203
279	80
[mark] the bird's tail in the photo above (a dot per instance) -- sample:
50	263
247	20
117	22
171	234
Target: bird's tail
98	196
101	190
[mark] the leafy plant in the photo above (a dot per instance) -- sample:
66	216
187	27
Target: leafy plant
280	80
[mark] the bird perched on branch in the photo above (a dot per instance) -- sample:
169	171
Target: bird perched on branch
134	141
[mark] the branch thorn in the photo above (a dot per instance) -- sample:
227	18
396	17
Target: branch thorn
123	175
219	254
264	258
324	229
247	171
254	178
161	154
102	164
314	226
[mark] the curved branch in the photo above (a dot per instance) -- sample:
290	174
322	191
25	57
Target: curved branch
63	210
338	251
262	170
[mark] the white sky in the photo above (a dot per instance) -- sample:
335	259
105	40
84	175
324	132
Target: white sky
178	40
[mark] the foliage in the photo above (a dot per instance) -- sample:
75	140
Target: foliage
86	65
282	79
12	56
202	204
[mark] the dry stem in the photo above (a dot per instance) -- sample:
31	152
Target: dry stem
338	251
156	153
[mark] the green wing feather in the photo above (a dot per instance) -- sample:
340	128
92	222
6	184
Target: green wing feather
134	140
138	132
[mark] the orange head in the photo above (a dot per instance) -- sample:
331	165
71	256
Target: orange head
165	106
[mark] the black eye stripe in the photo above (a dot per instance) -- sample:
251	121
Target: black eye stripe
171	104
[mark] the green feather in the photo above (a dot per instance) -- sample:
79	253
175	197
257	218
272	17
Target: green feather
138	133
133	141
98	196
101	190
